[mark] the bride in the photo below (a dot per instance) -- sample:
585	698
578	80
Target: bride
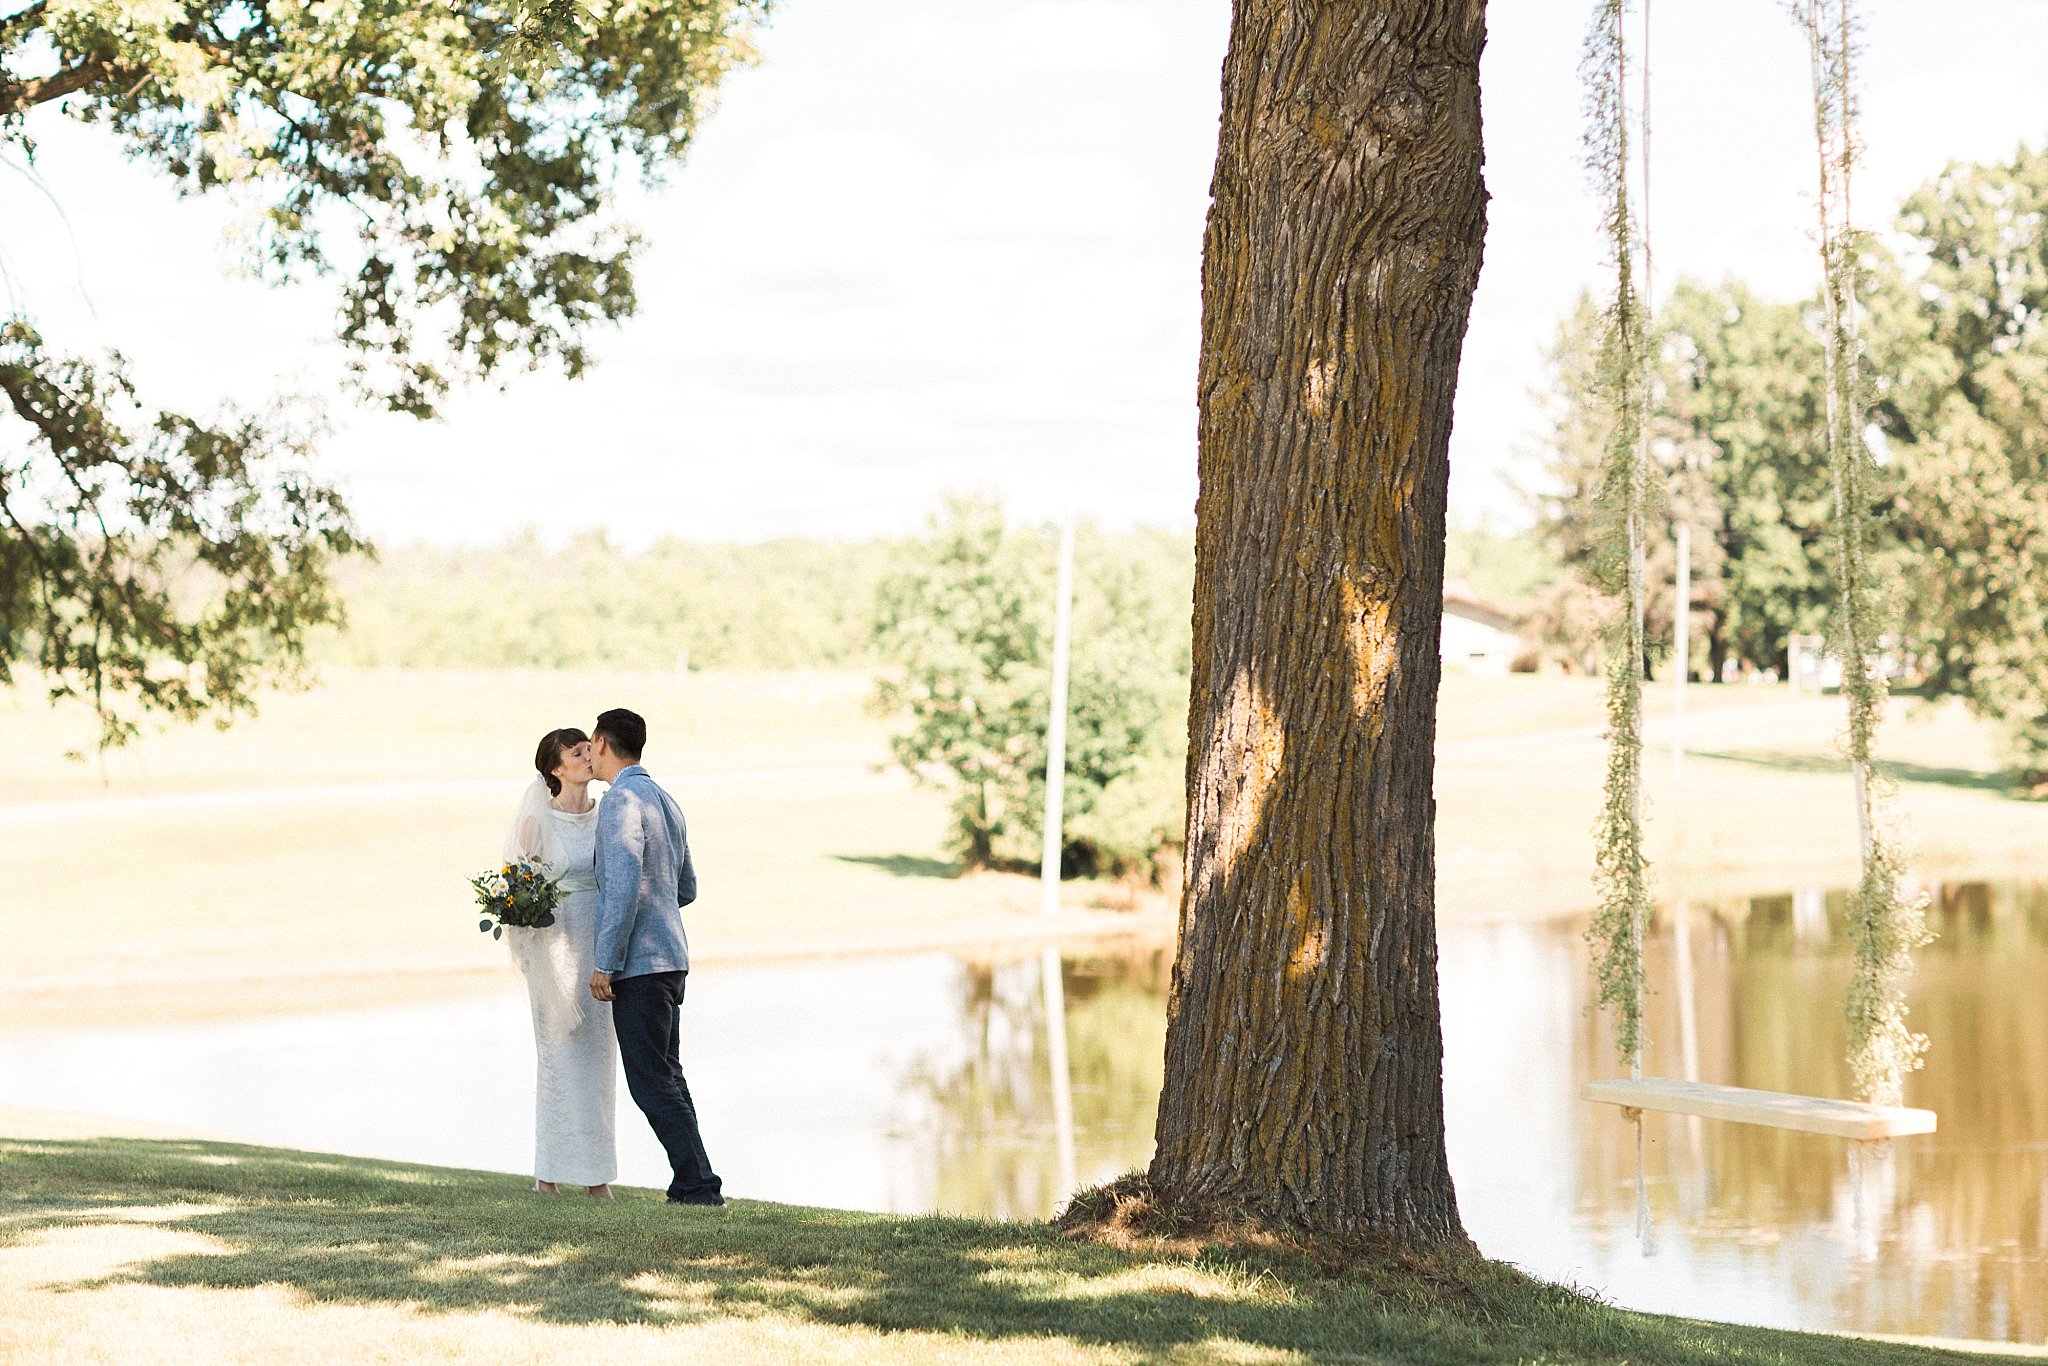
572	1033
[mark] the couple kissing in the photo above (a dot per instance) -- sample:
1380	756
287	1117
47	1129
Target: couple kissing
606	979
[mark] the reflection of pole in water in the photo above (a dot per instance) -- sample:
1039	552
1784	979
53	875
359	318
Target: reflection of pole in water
1809	915
1873	1182
1688	1033
1062	1076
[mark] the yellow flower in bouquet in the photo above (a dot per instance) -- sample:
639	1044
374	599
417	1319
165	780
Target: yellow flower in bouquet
522	894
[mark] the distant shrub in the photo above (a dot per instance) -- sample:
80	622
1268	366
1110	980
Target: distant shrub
964	626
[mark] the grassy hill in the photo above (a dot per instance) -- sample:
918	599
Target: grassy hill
128	1247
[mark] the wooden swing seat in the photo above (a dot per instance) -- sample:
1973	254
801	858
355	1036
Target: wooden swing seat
1771	1109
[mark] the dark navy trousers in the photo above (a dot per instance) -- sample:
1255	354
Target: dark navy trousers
647	1014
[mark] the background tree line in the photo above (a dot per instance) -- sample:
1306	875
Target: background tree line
783	604
591	604
956	623
1953	327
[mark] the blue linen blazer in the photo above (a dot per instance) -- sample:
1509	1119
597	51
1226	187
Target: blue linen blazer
644	878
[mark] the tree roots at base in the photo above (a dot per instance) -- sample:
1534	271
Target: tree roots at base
1131	1214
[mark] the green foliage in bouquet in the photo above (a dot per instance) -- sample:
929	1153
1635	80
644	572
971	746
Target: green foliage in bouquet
521	893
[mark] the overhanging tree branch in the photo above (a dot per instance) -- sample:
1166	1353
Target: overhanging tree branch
136	500
23	21
503	254
18	97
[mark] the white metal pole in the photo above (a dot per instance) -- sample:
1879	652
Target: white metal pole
1056	726
1681	650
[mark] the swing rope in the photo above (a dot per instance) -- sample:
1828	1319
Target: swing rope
1622	379
1885	924
1638	592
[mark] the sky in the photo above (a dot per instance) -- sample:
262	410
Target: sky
928	247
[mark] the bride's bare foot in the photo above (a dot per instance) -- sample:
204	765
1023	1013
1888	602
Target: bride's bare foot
600	1192
545	1188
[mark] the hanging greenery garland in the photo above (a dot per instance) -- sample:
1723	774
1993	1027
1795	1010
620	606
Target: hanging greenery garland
1884	926
1621	383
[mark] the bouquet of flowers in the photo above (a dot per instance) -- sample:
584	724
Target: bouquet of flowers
520	893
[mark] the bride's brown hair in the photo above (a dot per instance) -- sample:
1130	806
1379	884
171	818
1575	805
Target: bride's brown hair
548	757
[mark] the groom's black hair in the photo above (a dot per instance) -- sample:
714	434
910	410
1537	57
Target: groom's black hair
624	731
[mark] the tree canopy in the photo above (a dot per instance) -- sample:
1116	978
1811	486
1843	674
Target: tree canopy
447	168
1963	354
1735	427
1952	316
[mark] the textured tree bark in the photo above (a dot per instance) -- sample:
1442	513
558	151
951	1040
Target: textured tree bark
1304	1074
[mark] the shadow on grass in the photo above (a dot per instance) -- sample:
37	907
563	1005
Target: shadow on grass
904	865
348	1231
1898	770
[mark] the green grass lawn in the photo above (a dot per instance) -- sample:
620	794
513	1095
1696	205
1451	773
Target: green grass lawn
806	843
386	725
167	1249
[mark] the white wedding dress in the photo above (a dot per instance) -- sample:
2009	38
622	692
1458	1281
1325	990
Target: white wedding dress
575	1131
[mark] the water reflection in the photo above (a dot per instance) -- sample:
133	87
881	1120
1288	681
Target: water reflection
923	1082
991	1111
934	1082
1962	1213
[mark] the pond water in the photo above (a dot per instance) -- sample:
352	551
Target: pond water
927	1082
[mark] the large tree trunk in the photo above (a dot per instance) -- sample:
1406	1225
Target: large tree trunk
1304	1072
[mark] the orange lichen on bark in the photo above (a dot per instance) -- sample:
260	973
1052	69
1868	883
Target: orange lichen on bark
1253	745
1368	620
1311	939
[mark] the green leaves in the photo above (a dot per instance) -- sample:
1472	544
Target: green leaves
1738	441
449	166
965	625
1965	411
151	561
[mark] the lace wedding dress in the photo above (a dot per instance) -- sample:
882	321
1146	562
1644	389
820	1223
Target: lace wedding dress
574	1107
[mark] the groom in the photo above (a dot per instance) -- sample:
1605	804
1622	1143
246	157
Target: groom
644	877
